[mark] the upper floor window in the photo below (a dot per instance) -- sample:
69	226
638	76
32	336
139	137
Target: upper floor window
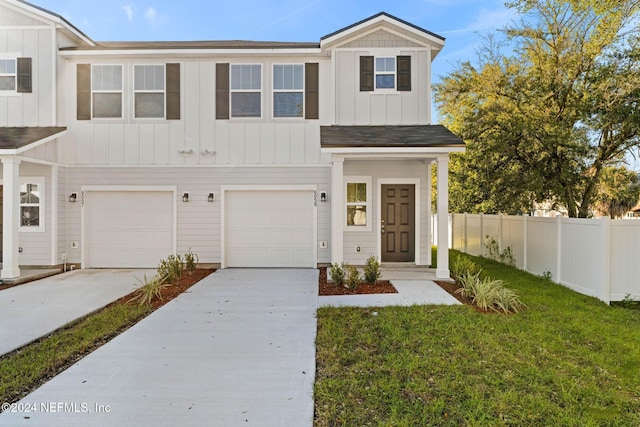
106	91
8	74
149	91
246	90
385	73
288	90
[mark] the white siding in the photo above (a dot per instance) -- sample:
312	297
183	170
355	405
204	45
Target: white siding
198	220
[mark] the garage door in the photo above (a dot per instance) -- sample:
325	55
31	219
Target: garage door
128	228
269	229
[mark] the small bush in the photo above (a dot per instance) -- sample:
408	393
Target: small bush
507	301
468	283
171	268
489	294
463	266
149	290
337	273
353	277
190	261
372	270
493	252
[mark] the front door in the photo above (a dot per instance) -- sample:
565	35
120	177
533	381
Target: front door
398	223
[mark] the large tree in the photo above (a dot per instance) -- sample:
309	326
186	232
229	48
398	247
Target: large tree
618	191
543	122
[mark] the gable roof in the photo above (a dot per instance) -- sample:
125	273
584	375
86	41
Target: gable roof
372	18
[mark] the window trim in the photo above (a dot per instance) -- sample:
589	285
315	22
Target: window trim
376	73
367	180
13	91
302	91
40	182
146	91
121	92
232	90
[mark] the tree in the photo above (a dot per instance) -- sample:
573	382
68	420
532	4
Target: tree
543	123
618	192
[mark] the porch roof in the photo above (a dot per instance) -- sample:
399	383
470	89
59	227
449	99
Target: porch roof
397	137
20	138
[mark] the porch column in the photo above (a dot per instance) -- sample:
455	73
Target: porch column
10	217
337	209
442	271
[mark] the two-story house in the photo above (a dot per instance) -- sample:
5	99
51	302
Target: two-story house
251	154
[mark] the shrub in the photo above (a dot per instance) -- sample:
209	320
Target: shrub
171	268
468	283
372	270
489	294
353	277
149	290
493	252
507	301
463	266
191	261
337	273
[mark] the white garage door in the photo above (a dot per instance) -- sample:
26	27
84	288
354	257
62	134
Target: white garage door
269	229
128	228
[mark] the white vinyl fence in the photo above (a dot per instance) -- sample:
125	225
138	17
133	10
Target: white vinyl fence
596	257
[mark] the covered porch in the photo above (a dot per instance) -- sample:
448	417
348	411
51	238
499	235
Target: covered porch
382	193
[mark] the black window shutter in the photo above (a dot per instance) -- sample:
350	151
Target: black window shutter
24	75
172	76
311	91
404	73
83	91
222	91
366	73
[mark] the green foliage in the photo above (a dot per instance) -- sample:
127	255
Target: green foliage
464	266
618	191
489	294
150	289
372	270
546	275
171	268
494	253
468	283
353	278
337	273
542	124
190	261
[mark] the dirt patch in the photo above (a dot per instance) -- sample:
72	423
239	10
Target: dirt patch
327	289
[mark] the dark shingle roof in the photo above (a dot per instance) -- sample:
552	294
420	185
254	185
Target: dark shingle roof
18	137
388	136
219	44
388	16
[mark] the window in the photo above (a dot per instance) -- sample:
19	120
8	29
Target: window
288	90
385	73
149	93
246	89
106	90
358	194
32	205
7	75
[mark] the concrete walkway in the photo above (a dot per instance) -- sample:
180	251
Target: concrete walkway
237	349
35	309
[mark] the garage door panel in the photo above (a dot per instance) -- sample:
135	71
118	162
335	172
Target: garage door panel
128	228
269	228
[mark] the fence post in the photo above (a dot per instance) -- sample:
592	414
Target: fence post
500	225
481	234
525	225
605	257
559	249
466	246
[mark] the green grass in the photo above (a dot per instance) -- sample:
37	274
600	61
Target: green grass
567	360
23	370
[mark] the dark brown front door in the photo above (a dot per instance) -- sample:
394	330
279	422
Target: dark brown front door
398	226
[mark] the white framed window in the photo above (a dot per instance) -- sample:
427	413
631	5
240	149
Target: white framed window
385	72
149	91
8	75
357	203
32	204
246	90
288	90
106	91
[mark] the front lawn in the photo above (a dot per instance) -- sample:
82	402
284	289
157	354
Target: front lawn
568	360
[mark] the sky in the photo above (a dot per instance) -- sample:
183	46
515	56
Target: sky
459	21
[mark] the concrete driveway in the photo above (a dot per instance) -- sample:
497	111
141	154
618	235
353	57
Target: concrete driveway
33	310
237	349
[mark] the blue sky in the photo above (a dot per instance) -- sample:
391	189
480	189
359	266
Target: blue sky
460	21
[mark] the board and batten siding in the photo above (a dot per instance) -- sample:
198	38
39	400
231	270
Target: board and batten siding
199	221
36	108
356	107
197	137
387	169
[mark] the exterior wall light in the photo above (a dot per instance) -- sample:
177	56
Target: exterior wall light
73	197
323	196
211	197
185	197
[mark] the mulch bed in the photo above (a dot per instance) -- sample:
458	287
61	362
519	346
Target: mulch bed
327	289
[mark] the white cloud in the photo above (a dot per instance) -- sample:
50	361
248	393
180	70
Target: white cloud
151	15
129	11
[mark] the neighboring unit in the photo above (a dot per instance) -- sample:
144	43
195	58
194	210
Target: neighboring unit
251	154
